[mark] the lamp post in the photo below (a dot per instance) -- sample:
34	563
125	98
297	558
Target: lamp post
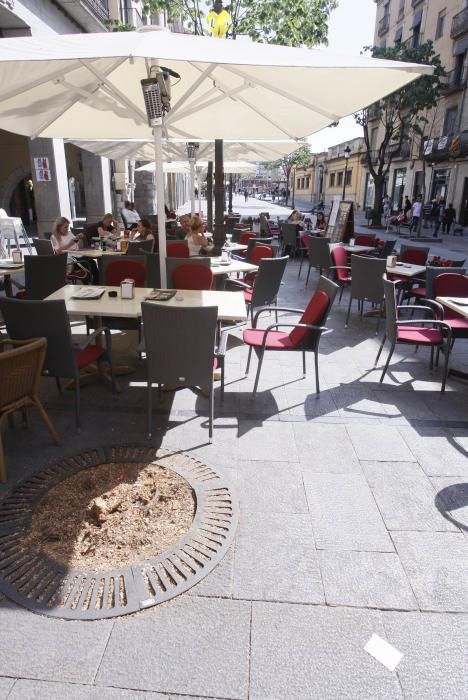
347	153
321	169
192	149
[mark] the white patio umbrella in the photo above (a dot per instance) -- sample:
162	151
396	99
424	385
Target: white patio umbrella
89	86
230	166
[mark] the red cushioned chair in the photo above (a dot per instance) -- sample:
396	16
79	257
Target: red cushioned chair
258	253
341	267
245	237
432	333
413	255
178	249
452	284
305	334
365	239
64	359
192	277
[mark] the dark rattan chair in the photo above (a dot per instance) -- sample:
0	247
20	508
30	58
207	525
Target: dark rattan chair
366	284
20	374
43	275
173	263
266	284
305	334
64	359
180	349
319	255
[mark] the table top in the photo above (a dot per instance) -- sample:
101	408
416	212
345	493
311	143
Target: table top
406	270
98	253
234	266
353	248
10	270
451	303
231	305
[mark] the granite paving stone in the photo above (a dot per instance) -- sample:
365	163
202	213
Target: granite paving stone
405	496
381	443
344	514
193	646
43	690
452	498
5	687
271	487
34	646
435	653
324	447
218	583
437	451
313	652
275	559
365	579
436	564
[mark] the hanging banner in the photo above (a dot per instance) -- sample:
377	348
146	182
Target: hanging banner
443	141
428	147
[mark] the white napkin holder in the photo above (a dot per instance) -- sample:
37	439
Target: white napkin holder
127	289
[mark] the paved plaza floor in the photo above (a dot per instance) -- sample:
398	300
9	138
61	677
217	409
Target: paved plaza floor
353	522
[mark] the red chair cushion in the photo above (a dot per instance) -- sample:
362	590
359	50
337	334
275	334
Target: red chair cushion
177	250
276	340
419	292
119	270
363	239
414	256
77	275
248	294
250	278
458	323
313	314
259	252
192	277
340	257
21	295
451	284
87	357
419	335
245	237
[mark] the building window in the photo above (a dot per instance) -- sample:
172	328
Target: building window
440	25
298	185
349	174
307	182
340	179
401	9
398	35
399	181
332	179
302	183
450	120
383	44
416	27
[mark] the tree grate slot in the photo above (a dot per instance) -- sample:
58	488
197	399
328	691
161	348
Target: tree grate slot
42	585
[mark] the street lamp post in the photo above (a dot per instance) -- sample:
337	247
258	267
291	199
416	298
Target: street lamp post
321	169
347	153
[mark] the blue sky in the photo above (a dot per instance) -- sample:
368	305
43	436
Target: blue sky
350	28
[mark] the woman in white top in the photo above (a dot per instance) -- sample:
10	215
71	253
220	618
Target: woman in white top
64	241
195	239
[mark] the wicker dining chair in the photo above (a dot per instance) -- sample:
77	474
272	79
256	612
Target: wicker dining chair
20	373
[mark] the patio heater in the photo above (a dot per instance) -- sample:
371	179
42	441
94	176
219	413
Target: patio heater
157	97
192	149
347	153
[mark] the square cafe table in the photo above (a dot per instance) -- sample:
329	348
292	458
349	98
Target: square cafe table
460	305
231	305
406	270
6	271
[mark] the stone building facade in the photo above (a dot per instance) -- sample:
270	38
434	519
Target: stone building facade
440	167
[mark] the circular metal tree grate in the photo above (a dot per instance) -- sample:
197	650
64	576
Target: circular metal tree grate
43	585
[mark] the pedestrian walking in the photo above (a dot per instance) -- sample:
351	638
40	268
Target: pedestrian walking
387	209
246	195
439	215
427	212
407	207
416	211
449	217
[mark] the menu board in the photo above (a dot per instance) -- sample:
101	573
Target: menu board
342	228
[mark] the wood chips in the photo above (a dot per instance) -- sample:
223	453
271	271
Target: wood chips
112	515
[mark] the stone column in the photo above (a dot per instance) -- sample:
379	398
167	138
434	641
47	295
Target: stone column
51	196
97	186
144	192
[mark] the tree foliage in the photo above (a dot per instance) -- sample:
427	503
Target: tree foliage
403	116
287	22
299	159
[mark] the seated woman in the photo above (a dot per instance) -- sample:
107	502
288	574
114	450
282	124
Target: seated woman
196	241
63	240
321	222
143	231
106	228
295	217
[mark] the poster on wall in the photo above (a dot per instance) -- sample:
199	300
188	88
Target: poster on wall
42	168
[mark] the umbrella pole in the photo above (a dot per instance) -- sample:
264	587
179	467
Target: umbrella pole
192	188
159	185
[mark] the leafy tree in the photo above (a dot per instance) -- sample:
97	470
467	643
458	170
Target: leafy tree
287	22
299	159
402	117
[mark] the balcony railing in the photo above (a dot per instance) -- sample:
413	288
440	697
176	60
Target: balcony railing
400	150
99	7
384	25
454	80
445	147
459	24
